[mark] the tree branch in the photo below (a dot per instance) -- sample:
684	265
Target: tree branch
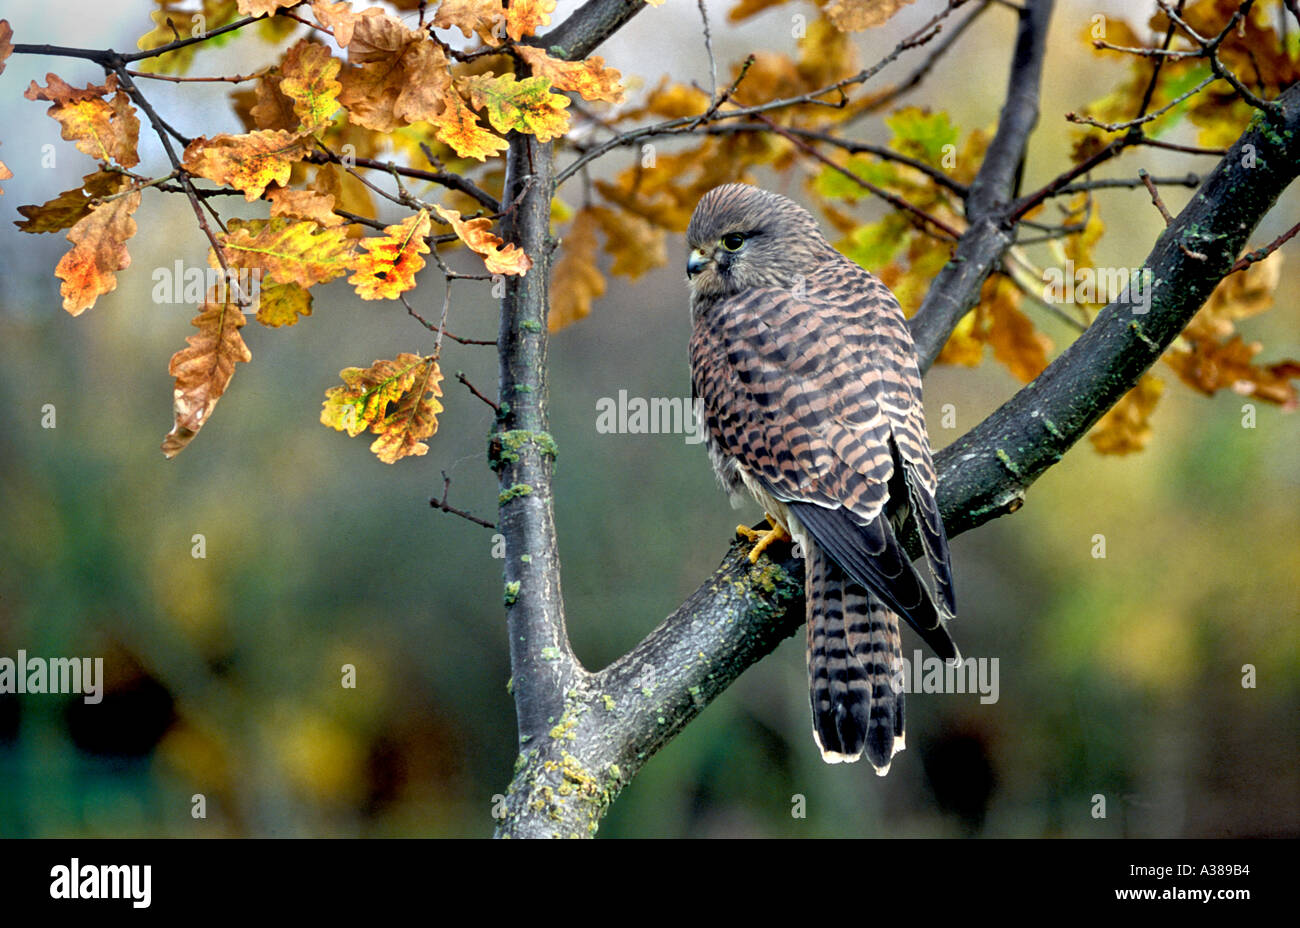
956	288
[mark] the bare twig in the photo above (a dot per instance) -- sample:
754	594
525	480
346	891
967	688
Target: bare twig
445	507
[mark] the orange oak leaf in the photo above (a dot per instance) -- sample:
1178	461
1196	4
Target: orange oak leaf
392	260
524	106
486	17
458	127
396	400
99	241
398	75
263	7
5	174
6	42
308	80
304	204
288	251
106	130
747	8
69	207
525	16
589	78
339	18
249	162
1016	343
1126	427
576	280
203	370
270	108
1210	366
856	15
474	233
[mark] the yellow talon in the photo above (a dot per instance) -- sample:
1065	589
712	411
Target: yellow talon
762	539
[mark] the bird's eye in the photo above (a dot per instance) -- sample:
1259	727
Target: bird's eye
732	241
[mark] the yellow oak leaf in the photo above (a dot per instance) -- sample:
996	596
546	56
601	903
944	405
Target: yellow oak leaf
203	370
396	400
392	260
107	130
308	80
1126	426
282	304
747	8
249	162
69	207
576	280
525	16
269	107
523	106
589	78
99	241
397	76
5	174
287	251
458	127
856	15
263	7
671	101
474	233
1238	296
636	245
171	22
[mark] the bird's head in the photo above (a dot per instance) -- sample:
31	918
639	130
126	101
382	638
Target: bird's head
742	236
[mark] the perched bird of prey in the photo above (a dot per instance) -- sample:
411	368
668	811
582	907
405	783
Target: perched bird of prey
812	400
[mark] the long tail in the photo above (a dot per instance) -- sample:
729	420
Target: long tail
854	662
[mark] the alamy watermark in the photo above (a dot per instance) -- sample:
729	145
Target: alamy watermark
1099	285
53	675
655	415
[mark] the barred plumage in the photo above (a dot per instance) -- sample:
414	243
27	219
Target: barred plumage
812	402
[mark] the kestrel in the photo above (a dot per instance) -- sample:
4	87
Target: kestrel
812	400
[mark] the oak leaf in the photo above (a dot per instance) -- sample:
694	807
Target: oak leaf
636	245
203	370
282	304
590	78
1020	347
391	261
6	42
263	7
485	17
525	16
339	18
308	80
856	15
288	251
99	241
523	106
747	8
69	207
1210	366
576	280
509	259
398	75
1126	426
249	162
106	130
458	127
304	204
396	400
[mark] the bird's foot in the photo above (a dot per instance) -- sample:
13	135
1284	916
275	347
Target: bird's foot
761	540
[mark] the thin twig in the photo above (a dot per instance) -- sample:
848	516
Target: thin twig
460	375
1259	254
443	505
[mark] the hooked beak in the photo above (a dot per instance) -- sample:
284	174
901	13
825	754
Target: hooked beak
696	262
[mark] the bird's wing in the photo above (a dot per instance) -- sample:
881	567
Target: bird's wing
818	397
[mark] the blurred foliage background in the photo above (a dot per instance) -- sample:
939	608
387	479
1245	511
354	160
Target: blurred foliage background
1119	676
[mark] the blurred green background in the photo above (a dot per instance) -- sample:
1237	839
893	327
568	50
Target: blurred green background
1119	676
